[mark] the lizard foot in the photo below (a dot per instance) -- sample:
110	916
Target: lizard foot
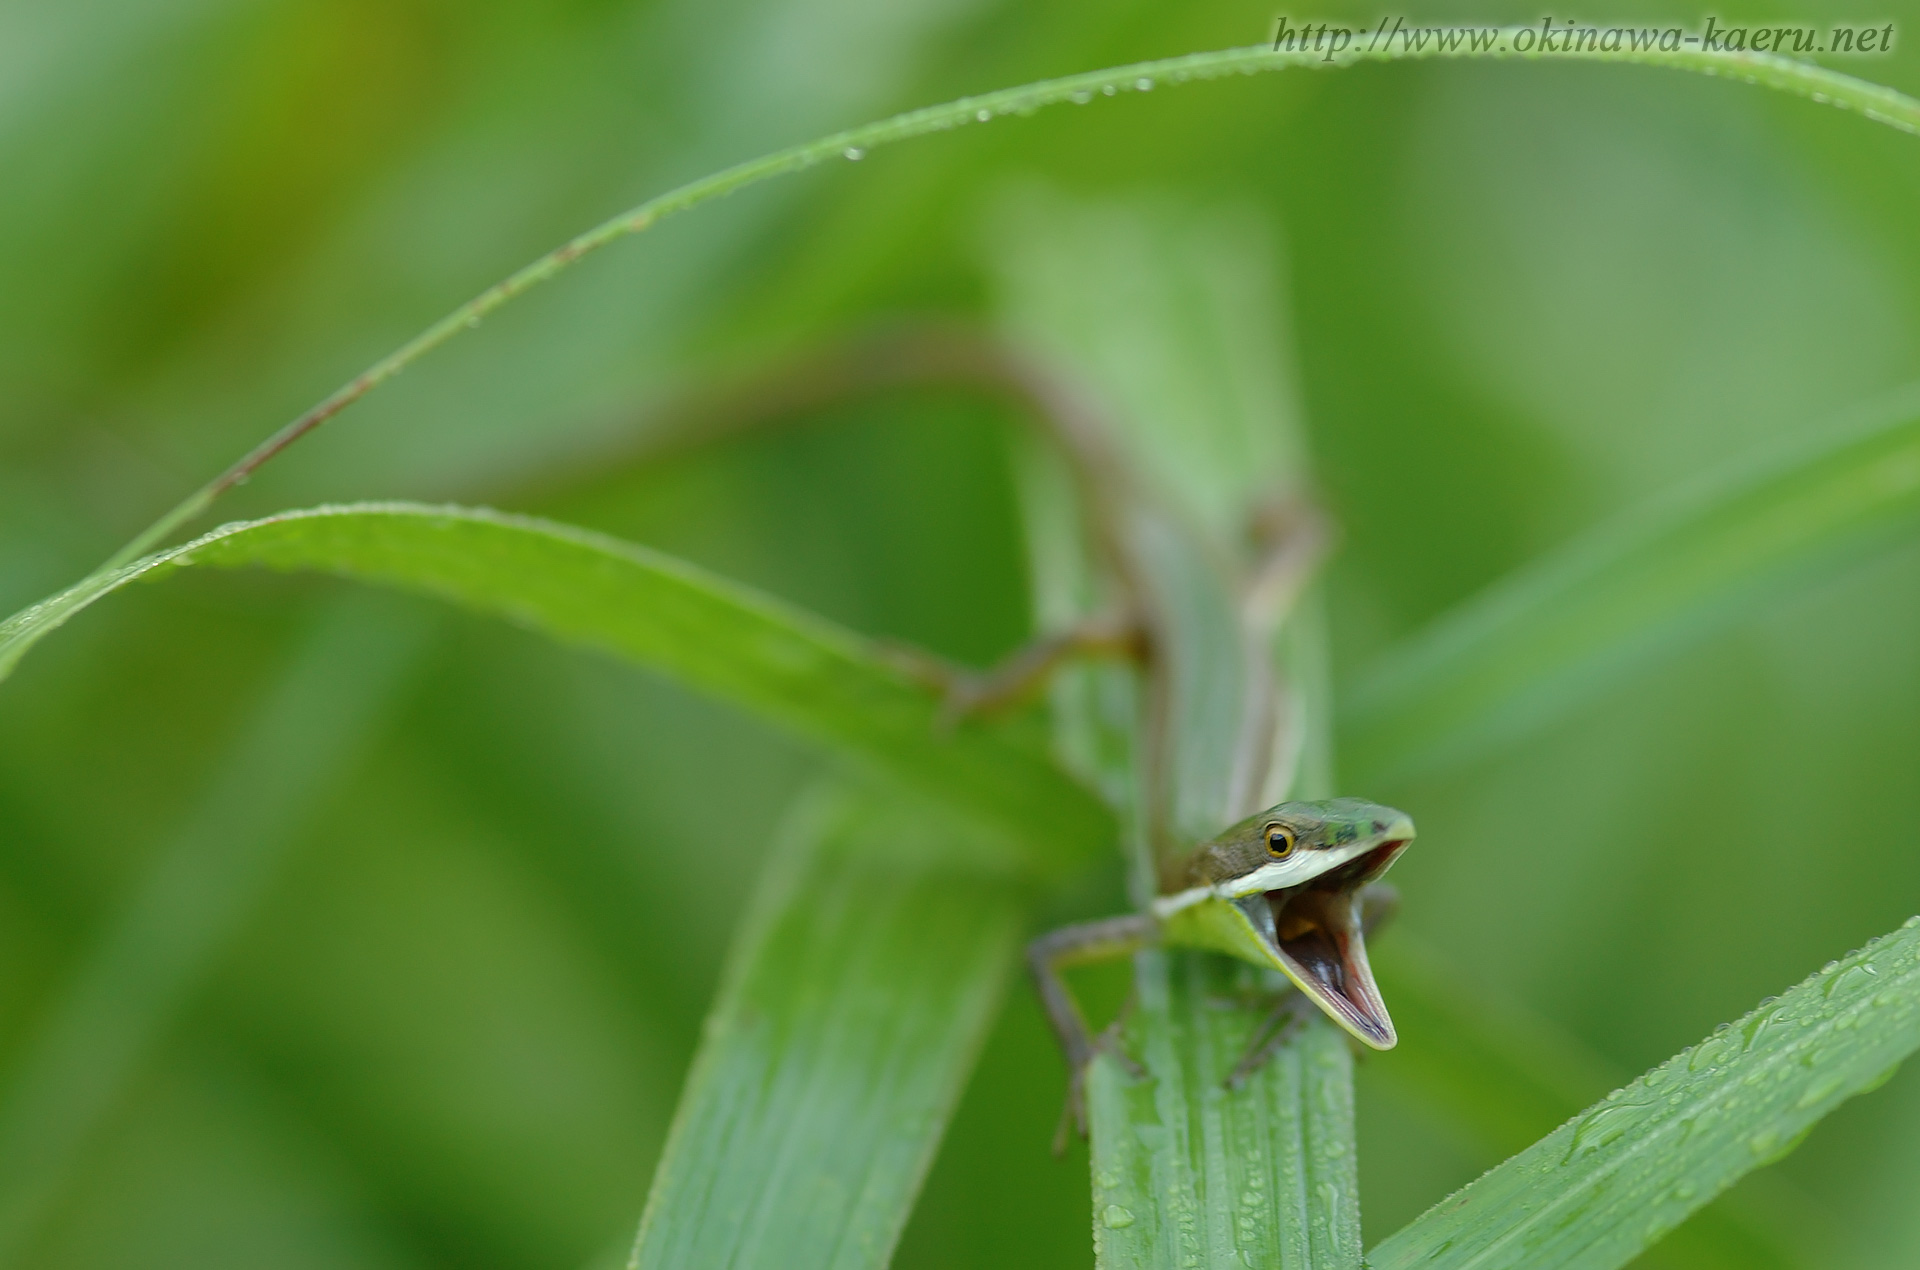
1073	1115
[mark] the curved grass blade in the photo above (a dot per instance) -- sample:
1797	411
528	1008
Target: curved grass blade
1497	1078
1557	629
1598	1190
1884	105
860	989
774	659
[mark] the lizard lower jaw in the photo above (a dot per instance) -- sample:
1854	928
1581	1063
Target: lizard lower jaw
1317	933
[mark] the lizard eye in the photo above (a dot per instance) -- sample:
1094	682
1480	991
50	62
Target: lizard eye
1279	841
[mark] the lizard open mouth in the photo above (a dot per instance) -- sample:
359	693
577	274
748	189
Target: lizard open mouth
1316	929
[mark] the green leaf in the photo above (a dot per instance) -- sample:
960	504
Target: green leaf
1804	79
1555	631
1497	1078
776	660
859	991
1189	1173
1595	1192
1164	320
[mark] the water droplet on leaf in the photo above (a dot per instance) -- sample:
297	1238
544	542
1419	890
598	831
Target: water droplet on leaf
1602	1126
1707	1053
1818	1092
1850	979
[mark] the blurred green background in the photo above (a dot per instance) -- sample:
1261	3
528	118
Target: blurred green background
446	1024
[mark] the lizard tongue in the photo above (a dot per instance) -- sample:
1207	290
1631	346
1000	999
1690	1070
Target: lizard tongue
1317	933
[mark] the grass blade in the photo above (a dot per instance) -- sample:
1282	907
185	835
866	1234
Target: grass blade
1804	79
1595	1192
776	660
1188	1173
1497	1078
1554	631
1164	319
861	987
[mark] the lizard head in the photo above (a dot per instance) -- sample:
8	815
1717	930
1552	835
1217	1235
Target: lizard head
1295	872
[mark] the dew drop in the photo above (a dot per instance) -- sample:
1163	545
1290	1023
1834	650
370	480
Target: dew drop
1707	1053
1114	1217
1110	90
983	114
1817	1056
1602	1126
1874	1082
1819	1092
854	153
1757	1026
1144	83
1684	1190
1080	98
1850	978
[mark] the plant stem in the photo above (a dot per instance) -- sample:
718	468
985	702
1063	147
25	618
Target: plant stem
1878	103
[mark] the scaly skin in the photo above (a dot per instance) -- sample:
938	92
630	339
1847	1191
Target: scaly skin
1288	889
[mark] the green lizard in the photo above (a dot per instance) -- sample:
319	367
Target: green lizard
1289	889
